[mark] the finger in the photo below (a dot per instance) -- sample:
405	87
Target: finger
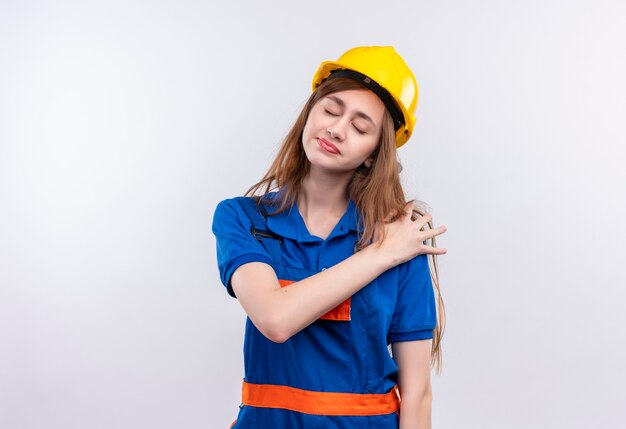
421	221
430	233
389	218
394	215
429	250
378	232
408	208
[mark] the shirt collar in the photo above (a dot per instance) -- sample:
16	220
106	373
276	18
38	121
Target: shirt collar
290	224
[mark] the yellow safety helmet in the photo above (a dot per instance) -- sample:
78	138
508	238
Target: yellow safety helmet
382	70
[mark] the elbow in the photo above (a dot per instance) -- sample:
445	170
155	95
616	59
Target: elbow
427	398
427	394
422	396
274	330
276	336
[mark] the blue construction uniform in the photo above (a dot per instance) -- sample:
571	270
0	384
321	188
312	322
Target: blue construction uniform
329	355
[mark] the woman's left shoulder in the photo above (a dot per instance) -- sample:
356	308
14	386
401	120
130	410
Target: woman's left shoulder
416	264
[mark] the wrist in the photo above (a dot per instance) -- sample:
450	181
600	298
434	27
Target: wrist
380	256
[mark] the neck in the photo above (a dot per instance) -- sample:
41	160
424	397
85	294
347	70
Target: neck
323	193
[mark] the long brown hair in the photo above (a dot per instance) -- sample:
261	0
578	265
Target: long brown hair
376	190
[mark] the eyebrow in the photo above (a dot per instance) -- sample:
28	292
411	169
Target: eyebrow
360	114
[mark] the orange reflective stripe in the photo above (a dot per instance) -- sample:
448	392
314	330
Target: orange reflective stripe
321	403
340	313
233	424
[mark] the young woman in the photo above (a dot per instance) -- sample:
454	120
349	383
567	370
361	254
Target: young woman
331	264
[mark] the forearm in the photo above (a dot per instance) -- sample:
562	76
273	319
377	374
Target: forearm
415	412
303	302
413	359
282	312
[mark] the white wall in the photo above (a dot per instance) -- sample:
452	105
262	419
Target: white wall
122	123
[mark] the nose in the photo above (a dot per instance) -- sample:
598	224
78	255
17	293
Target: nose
337	130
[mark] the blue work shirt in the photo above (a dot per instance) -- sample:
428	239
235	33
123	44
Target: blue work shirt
341	355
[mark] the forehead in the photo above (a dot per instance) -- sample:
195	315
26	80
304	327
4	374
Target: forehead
358	99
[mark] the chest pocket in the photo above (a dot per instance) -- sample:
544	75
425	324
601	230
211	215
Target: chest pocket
271	242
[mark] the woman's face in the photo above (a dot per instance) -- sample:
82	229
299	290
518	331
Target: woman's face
343	130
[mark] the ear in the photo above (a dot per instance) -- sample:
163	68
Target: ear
368	162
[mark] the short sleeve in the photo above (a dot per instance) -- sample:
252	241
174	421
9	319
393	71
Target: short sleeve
235	244
414	316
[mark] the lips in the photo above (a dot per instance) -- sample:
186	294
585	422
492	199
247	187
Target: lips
328	146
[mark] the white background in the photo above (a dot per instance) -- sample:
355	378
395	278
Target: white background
123	124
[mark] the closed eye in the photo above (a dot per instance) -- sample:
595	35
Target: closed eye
331	113
358	130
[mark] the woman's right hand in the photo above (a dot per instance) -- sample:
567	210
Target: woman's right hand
404	238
